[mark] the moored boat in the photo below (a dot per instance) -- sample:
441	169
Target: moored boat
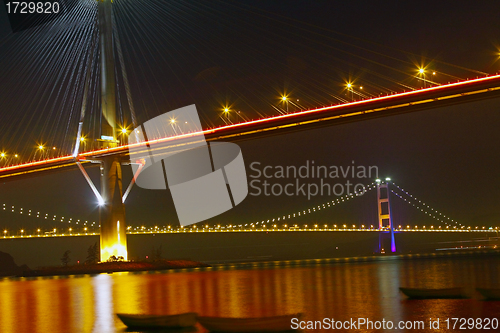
423	293
158	321
489	293
257	324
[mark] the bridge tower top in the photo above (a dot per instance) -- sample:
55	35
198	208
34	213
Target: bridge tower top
108	81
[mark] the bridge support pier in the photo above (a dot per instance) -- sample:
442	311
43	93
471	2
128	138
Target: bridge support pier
112	211
385	216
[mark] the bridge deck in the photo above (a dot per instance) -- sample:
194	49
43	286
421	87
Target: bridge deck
433	97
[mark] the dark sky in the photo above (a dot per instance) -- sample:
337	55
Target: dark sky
245	54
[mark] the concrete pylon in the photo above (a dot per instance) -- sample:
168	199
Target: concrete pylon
112	210
107	62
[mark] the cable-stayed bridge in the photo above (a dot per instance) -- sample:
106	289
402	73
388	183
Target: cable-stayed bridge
110	153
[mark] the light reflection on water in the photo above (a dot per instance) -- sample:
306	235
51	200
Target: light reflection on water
340	291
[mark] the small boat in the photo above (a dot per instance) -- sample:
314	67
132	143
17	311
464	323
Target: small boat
159	321
433	293
257	324
489	293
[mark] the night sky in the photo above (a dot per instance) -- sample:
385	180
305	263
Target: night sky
245	55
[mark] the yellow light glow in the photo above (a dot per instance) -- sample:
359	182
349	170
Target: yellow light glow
284	98
349	85
2	154
172	121
82	139
226	110
124	130
116	250
421	71
40	147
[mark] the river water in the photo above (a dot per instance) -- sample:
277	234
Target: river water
338	291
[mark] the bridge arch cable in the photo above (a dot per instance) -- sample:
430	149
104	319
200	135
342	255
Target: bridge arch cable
135	18
41	72
168	60
292	216
327	33
37	214
423	207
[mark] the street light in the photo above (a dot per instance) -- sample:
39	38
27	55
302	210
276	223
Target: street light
422	74
285	100
226	112
349	88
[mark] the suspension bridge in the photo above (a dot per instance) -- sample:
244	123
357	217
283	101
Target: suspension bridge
384	237
98	67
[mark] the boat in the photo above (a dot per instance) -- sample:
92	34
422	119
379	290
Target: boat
159	321
423	293
489	293
256	324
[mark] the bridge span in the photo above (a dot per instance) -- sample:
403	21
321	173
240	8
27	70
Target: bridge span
411	101
254	245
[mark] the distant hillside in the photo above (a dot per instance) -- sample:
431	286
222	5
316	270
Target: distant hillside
8	266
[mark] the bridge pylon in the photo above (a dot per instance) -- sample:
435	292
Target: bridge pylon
113	238
111	210
385	214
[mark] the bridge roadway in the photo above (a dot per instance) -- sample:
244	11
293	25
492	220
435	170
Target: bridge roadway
433	97
250	246
196	230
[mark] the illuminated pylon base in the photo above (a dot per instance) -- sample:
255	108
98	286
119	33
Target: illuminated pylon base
112	211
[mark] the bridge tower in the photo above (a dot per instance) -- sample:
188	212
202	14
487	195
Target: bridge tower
111	209
384	214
